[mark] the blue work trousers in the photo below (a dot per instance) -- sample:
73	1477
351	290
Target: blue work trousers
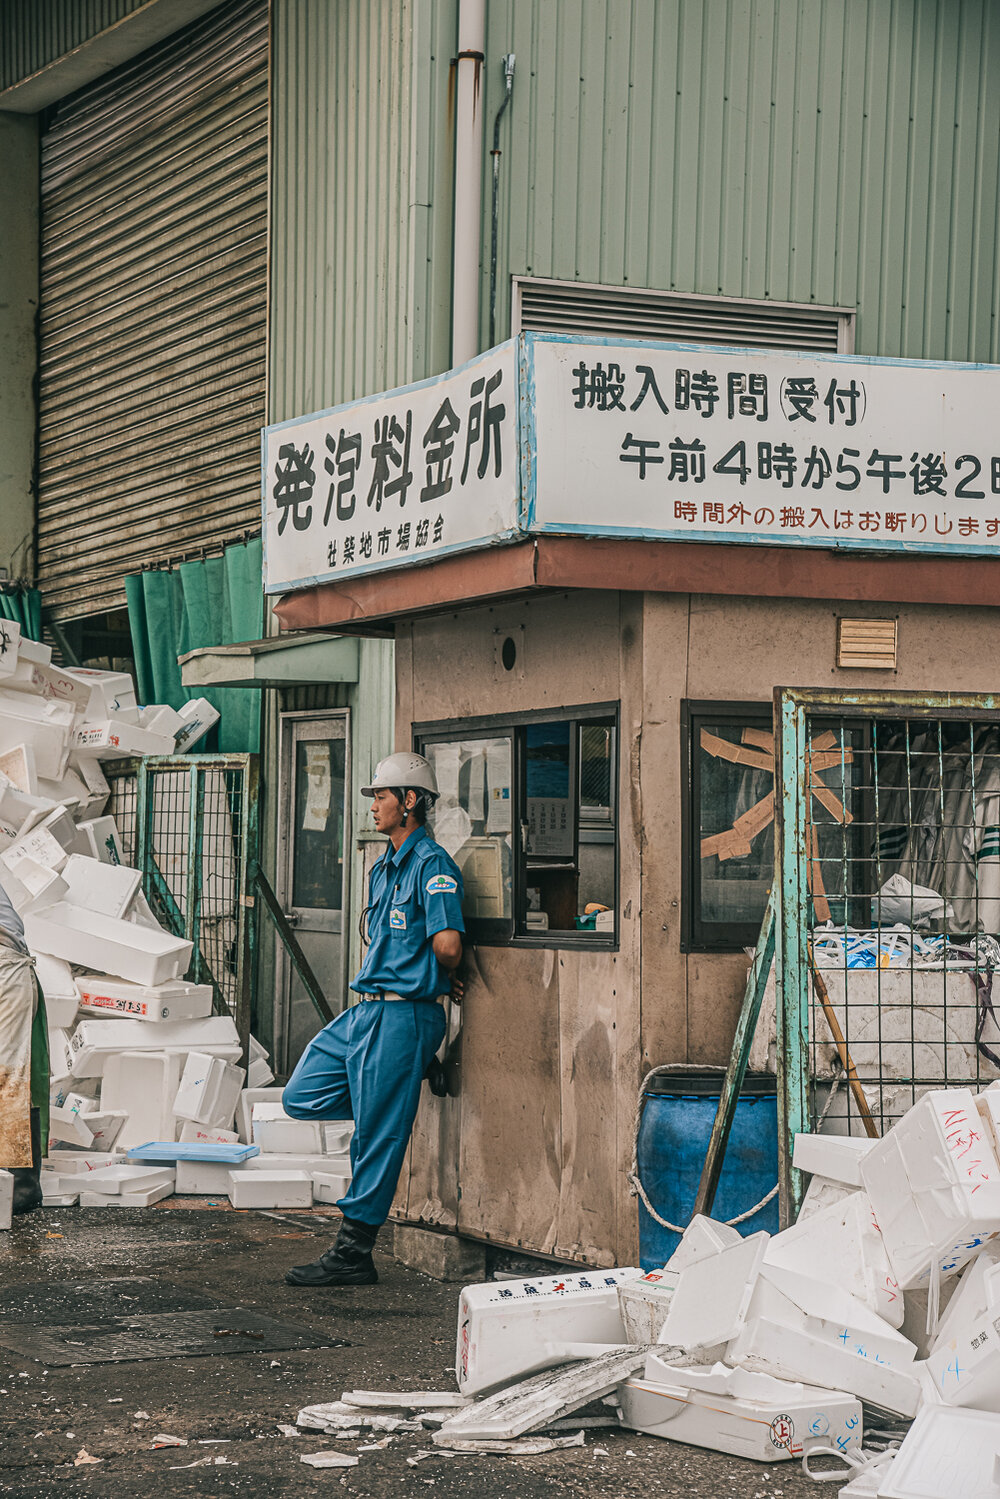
367	1065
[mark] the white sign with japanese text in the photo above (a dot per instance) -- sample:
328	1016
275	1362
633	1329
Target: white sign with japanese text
742	445
399	478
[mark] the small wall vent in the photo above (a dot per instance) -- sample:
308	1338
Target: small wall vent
866	643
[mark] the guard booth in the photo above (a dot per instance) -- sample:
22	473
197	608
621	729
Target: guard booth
597	560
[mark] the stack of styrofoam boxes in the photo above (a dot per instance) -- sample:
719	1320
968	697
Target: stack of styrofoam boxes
301	1161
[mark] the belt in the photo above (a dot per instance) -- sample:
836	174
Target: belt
404	998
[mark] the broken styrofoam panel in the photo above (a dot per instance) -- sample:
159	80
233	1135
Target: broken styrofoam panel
284	1136
976	1291
6	1199
914	1324
96	782
143	1084
106	945
512	1328
95	886
200	1134
94	1041
822	1193
842	1244
141	1198
66	1124
826	1311
328	1188
270	1189
17	767
158	718
836	1157
102	839
934	1184
44	727
114	739
545	1397
199	716
128	1178
963	1368
410	1400
259	1074
53	1193
209	1090
795	1353
747	1415
204	1178
702	1237
710	1302
105	1128
174	1000
338	1416
337	1137
644	1304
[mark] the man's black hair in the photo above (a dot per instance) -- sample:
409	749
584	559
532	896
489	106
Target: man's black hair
419	808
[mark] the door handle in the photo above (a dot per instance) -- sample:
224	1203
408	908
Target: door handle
292	918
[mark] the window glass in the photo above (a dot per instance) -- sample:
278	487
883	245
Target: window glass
318	865
473	820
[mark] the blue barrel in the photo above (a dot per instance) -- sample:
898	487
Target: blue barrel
677	1120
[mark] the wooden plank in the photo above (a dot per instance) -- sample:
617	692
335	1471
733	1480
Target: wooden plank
727	845
825	796
737	753
545	1397
759	738
756	818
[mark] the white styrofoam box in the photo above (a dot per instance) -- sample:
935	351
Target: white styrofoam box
822	1193
842	1244
17	809
56	981
748	1415
115	740
34	650
139	1199
329	1188
516	1327
292	1161
31	886
40	846
702	1237
94	1041
66	1162
48	681
129	1178
963	1367
143	1084
93	777
259	1073
795	1353
934	1184
97	886
709	1305
337	1136
988	1108
111	692
59	1087
72	791
80	1103
65	1124
837	1157
10	640
60	1053
201	1134
106	945
174	1000
103	842
17	765
248	1098
204	1178
53	1194
975	1292
286	1136
644	1304
44	726
105	1127
6	1199
159	719
209	1090
946	1452
270	1189
198	716
257	1049
827	1312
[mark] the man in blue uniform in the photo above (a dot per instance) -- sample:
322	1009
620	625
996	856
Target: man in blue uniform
368	1064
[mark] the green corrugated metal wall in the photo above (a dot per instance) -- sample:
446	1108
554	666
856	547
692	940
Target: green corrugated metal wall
836	151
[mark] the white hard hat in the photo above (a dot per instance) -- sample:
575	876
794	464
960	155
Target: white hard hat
404	769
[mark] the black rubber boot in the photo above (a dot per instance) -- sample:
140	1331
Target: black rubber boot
348	1263
27	1179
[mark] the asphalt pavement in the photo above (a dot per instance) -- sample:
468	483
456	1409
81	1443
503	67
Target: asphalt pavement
65	1273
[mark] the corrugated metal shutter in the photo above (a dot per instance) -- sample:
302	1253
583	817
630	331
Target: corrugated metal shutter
542	306
153	311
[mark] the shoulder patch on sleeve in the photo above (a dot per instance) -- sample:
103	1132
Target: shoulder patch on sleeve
441	884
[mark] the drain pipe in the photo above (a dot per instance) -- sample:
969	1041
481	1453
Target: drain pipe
508	78
468	180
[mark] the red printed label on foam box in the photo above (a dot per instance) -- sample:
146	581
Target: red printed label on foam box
108	1005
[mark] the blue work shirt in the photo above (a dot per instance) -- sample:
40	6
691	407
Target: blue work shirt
414	892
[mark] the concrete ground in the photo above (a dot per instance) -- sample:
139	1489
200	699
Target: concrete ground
401	1335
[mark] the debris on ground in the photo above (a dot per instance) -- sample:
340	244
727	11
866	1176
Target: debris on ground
329	1459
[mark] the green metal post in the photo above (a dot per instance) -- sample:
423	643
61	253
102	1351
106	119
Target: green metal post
792	969
247	1004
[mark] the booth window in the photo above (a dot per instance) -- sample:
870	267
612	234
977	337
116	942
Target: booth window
728	825
528	810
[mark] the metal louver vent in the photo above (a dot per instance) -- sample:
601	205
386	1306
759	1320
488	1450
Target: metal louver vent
153	310
542	306
868	643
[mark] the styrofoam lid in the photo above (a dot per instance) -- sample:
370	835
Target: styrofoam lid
948	1453
710	1304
